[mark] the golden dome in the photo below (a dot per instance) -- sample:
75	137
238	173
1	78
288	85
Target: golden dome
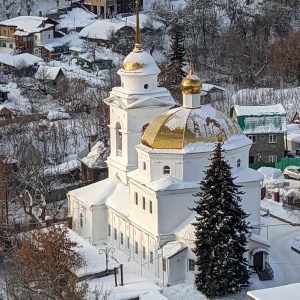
189	129
191	84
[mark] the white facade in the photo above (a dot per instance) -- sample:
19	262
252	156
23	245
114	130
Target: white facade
143	207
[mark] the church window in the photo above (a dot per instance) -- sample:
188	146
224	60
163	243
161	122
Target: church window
115	234
128	244
109	230
136	248
136	198
118	139
144	252
151	257
166	170
150	206
164	264
81	220
238	163
144	203
146	86
191	265
122	84
144	166
121	238
145	127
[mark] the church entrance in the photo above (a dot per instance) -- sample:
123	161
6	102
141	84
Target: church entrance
258	260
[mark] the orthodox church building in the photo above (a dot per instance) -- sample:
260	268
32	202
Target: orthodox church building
157	158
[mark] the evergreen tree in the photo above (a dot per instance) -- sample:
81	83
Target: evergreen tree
177	55
221	231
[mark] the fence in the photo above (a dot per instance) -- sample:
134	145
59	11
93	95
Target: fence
287	161
256	166
21	120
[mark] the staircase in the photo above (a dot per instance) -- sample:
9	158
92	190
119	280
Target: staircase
265	274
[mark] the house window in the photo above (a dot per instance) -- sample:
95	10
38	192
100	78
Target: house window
35	37
81	220
144	252
11	46
144	166
4	32
272	158
150	206
136	198
115	234
238	163
144	203
151	257
273	138
3	44
121	238
252	138
136	248
166	170
191	265
128	246
109	230
164	264
49	36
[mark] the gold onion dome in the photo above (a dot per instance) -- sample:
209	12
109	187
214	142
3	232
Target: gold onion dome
191	84
189	129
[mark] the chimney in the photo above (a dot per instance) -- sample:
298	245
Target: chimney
40	13
43	23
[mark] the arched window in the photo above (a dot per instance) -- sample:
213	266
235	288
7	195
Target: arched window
81	219
166	170
144	166
118	139
238	163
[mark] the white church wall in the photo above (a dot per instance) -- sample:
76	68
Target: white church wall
82	218
138	84
143	207
173	208
251	201
99	223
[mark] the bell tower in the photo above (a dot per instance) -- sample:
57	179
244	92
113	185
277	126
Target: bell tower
133	105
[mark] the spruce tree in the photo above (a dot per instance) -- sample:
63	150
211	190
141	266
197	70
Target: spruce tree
221	231
177	55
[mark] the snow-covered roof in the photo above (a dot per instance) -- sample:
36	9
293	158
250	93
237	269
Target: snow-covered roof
257	238
55	115
62	169
27	23
76	18
110	191
290	292
100	29
131	21
294	137
51	46
247	175
97	156
261	110
20	60
47	72
172	248
206	87
103	53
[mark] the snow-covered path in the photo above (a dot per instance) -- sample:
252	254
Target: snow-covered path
284	260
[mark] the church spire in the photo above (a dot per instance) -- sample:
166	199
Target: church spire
138	44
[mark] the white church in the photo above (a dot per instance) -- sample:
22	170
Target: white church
157	158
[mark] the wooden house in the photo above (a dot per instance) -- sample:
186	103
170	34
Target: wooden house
49	75
93	165
5	113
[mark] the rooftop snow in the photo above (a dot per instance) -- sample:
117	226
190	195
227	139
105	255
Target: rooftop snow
96	157
76	18
110	191
47	72
290	292
101	29
172	248
262	110
62	169
131	21
20	60
27	23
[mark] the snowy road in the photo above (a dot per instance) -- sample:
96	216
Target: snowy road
285	261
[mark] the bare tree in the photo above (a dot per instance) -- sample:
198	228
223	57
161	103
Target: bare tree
43	267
